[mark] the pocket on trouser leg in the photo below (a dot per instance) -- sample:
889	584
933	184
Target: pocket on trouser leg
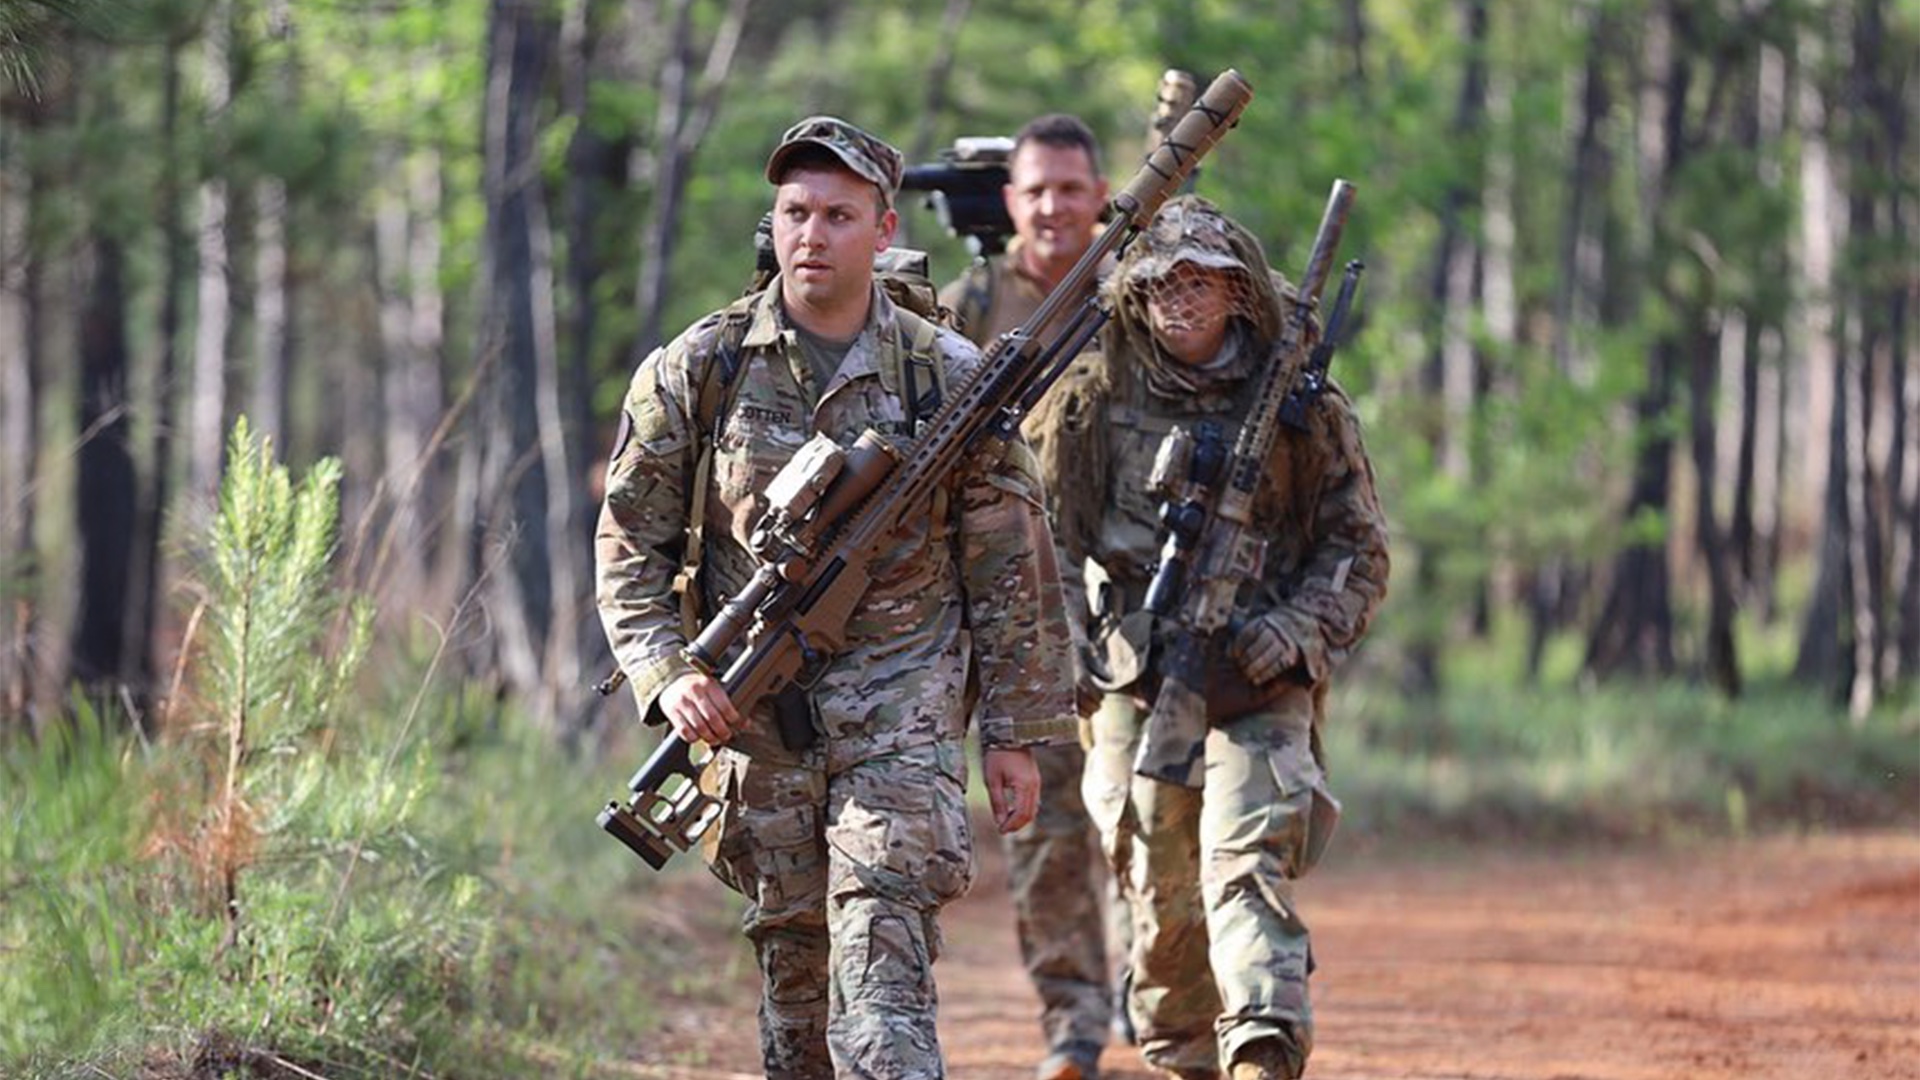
724	847
767	844
1106	780
1321	822
776	858
890	957
1306	813
898	828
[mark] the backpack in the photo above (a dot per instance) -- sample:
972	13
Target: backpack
902	273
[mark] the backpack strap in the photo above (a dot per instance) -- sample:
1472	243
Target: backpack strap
922	361
716	382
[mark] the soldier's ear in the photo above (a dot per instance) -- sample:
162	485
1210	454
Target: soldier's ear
889	224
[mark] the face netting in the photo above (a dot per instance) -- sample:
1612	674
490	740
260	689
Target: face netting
1195	297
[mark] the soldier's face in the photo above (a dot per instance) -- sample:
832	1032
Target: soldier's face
827	227
1188	309
1055	200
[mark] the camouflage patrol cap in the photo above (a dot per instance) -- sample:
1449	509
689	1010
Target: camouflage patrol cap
867	155
1186	230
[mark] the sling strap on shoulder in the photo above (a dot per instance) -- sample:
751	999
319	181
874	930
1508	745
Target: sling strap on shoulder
922	361
716	380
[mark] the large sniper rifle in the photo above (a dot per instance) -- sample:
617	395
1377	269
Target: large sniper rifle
833	509
1211	548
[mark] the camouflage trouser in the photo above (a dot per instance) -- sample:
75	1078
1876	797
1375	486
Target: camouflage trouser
1057	900
1220	955
844	876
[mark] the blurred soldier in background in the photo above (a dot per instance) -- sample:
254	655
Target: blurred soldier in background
1055	195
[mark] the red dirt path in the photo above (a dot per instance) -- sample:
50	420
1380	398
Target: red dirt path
1779	959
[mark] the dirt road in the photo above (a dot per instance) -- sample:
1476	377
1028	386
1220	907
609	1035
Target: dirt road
1780	959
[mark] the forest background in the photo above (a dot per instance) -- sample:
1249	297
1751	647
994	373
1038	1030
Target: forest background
305	699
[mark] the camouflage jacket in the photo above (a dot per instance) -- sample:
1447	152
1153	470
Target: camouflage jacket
983	559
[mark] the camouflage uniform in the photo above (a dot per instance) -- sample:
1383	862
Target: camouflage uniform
1053	863
847	850
1220	956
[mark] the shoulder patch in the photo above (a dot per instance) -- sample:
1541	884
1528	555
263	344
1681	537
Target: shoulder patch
652	416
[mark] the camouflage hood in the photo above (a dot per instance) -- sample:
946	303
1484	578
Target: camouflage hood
1191	229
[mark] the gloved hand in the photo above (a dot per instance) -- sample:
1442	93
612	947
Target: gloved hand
1263	650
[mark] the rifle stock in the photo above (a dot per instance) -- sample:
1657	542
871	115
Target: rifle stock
1202	567
792	616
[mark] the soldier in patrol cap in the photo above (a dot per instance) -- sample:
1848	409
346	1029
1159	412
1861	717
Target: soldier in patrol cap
1054	196
846	848
1220	954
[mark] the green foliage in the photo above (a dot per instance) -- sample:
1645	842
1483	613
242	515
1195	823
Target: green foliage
30	31
270	597
409	886
69	919
1493	758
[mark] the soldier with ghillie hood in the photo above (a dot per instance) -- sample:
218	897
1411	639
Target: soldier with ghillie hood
1220	955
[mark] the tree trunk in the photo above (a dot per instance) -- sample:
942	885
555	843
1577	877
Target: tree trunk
406	268
1757	126
19	422
1891	81
1702	334
274	341
1353	42
149	585
1821	641
1814	423
938	79
1634	634
1872	123
1450	370
273	275
107	486
1908	582
399	568
207	416
686	114
524	466
593	41
1863	624
1580	284
1722	663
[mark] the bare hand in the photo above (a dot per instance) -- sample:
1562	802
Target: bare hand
1013	787
699	709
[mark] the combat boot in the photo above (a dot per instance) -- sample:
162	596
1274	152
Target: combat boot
1267	1059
